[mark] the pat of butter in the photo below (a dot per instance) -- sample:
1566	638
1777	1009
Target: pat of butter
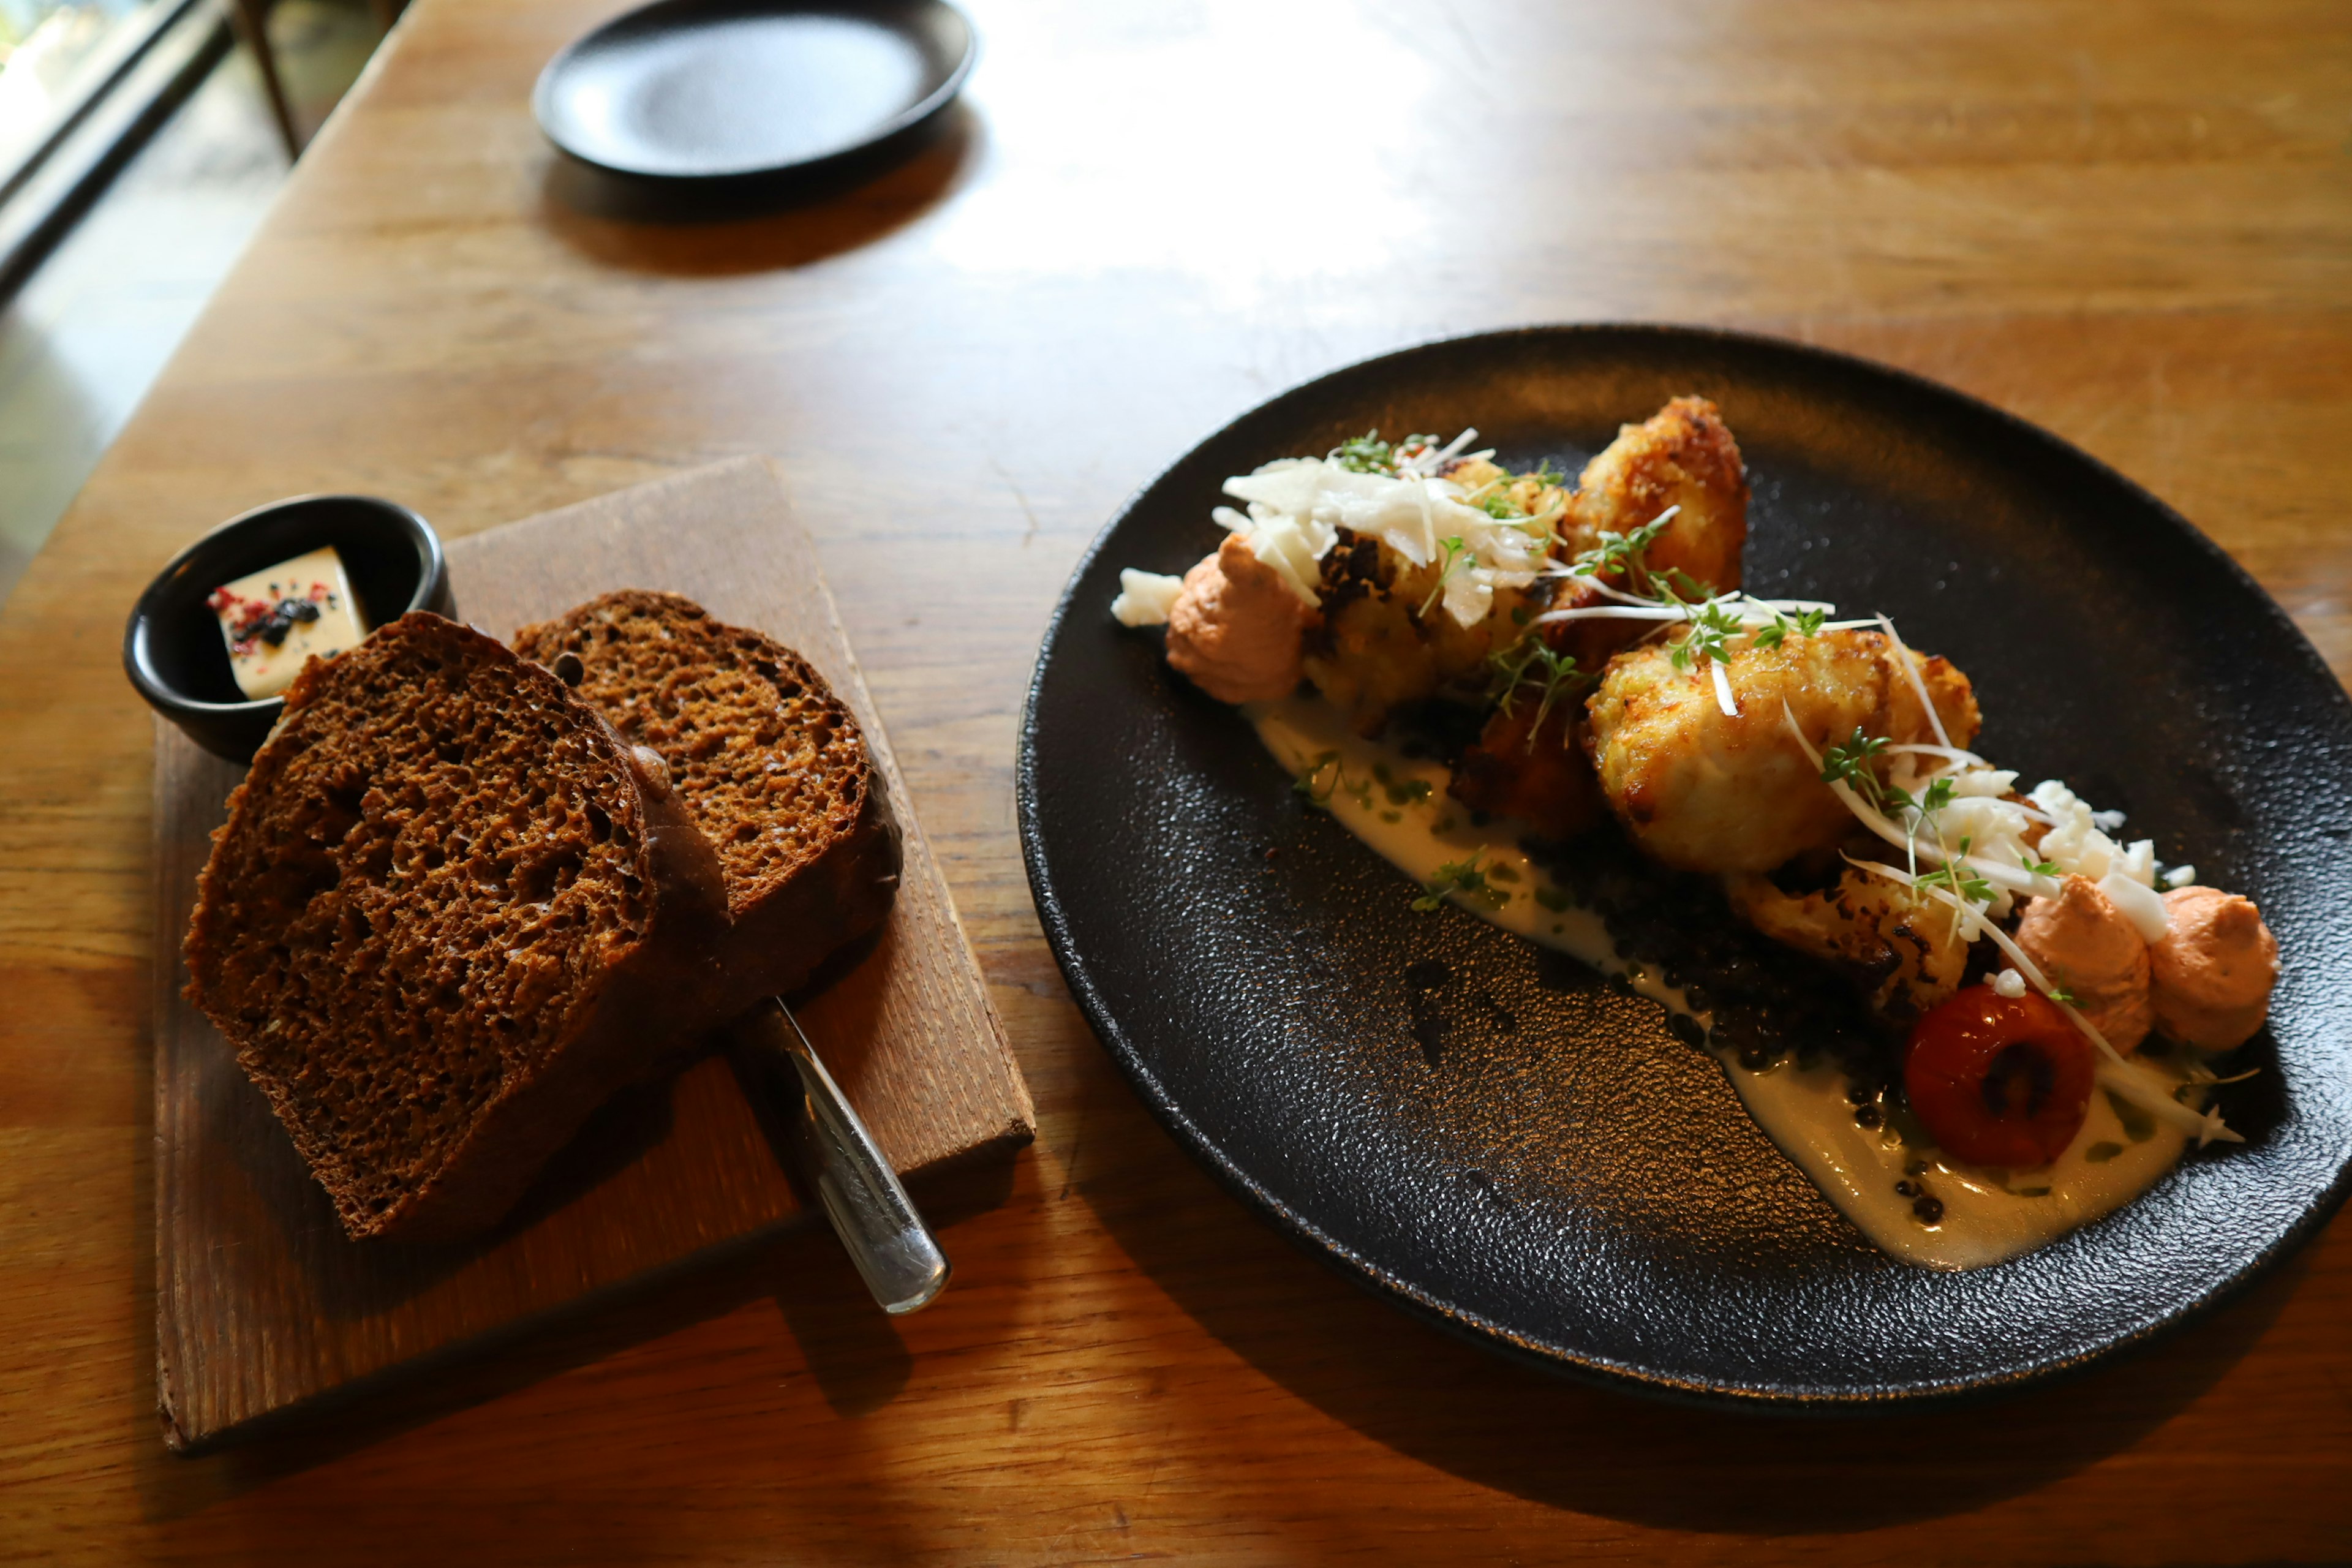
277	617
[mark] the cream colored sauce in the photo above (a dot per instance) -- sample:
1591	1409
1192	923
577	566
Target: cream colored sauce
1397	805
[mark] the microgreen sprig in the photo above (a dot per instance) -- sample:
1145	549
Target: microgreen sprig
1462	877
1805	623
1456	557
1532	663
1368	454
1625	552
1850	765
1960	879
1710	624
1321	778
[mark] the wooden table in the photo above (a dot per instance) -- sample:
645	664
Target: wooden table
2133	224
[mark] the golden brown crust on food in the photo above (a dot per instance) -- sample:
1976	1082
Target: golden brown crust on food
1702	790
446	917
1683	455
1907	956
770	765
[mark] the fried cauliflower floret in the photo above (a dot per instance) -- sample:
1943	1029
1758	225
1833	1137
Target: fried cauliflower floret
1683	455
1899	948
1481	478
1376	650
1702	790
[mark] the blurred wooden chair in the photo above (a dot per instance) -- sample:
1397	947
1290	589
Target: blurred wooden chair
251	18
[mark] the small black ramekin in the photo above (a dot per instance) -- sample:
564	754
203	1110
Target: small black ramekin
173	648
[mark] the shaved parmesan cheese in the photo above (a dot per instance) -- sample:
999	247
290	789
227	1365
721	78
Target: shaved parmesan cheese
2138	903
1298	505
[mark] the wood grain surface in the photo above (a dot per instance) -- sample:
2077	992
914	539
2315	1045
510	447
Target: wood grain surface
2130	223
264	1306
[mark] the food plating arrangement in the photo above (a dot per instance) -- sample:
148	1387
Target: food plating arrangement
1971	1012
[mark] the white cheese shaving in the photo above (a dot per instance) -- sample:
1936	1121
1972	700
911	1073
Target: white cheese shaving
1145	597
1919	687
1298	505
2138	903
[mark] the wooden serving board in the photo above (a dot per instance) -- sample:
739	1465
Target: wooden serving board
264	1306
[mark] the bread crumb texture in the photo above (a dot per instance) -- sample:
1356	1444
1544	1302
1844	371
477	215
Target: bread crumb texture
425	884
769	764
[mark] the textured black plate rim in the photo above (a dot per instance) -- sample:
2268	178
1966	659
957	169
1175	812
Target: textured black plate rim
1477	1328
907	119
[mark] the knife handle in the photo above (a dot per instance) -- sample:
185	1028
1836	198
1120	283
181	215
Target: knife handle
894	1250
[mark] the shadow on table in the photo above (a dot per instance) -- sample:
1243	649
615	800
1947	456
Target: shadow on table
720	228
1598	1451
853	1352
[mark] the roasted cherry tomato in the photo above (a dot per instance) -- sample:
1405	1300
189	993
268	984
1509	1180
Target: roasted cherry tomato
1999	1081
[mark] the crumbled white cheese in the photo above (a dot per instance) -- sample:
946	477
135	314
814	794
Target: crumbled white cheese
2077	841
1978	812
2008	983
1987	783
2180	876
1145	597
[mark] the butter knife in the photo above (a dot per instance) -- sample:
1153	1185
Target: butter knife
894	1250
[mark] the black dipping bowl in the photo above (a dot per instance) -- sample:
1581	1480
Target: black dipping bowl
173	649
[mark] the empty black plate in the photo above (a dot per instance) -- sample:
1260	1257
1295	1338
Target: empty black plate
1490	1137
728	90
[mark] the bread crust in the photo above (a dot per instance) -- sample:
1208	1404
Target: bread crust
789	912
639	994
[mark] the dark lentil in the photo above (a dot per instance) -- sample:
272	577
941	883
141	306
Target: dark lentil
1929	1210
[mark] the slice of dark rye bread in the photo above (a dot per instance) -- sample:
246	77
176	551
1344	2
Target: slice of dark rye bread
448	915
770	763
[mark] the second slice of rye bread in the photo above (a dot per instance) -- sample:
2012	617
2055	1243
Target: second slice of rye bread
769	762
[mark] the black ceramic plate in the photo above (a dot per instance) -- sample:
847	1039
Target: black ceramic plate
1488	1135
732	90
